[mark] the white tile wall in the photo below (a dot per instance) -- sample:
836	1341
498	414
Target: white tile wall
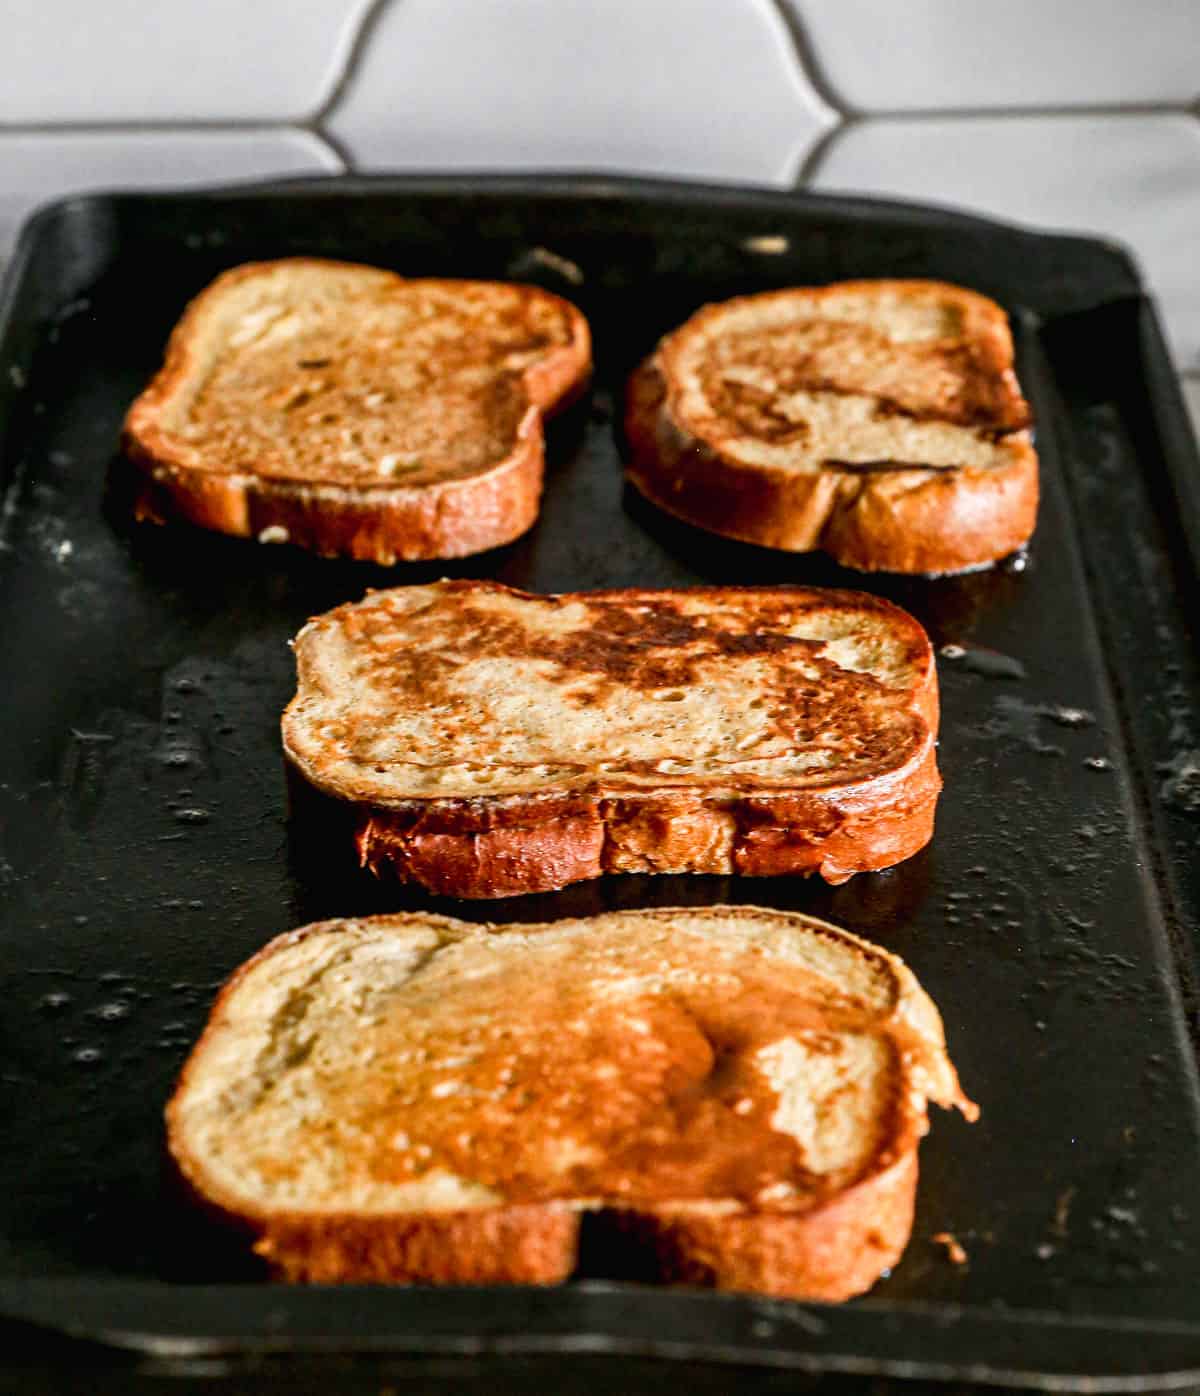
931	55
35	168
70	61
1134	178
762	91
697	87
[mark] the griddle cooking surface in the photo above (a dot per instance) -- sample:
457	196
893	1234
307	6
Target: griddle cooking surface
145	850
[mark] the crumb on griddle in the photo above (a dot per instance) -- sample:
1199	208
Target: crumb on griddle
954	1251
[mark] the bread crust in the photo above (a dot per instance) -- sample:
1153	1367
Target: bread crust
537	1244
837	1250
828	1254
510	845
932	520
379	523
834	833
828	1251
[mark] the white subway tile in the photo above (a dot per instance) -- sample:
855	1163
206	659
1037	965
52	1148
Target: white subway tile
1134	178
70	61
704	88
891	55
40	167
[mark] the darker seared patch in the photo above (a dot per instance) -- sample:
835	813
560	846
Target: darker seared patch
957	381
649	645
643	647
657	1095
756	413
873	467
638	640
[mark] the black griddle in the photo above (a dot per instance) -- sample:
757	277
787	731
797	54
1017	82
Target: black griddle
145	850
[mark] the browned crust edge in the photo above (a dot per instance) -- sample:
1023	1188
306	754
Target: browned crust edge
835	833
913	521
537	1244
376	523
831	1253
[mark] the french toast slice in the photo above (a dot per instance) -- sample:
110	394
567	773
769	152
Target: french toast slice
486	742
410	1098
351	411
880	421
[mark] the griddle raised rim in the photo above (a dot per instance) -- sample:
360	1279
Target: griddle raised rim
1112	260
928	1341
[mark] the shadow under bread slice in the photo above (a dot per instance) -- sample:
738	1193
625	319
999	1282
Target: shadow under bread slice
738	1093
486	742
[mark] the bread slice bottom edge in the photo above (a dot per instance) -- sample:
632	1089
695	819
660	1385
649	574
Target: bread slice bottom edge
834	1251
918	520
381	524
834	834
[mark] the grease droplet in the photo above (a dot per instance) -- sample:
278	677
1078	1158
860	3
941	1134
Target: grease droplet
1069	717
990	664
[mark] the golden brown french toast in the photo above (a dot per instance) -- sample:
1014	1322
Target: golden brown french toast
880	421
489	742
739	1093
350	410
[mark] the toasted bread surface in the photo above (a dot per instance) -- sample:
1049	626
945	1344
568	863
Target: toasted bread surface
353	410
880	421
416	1098
493	742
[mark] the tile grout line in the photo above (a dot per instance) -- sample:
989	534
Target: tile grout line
1048	110
333	144
810	164
306	126
814	157
804	54
355	52
315	123
810	71
154	128
813	71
